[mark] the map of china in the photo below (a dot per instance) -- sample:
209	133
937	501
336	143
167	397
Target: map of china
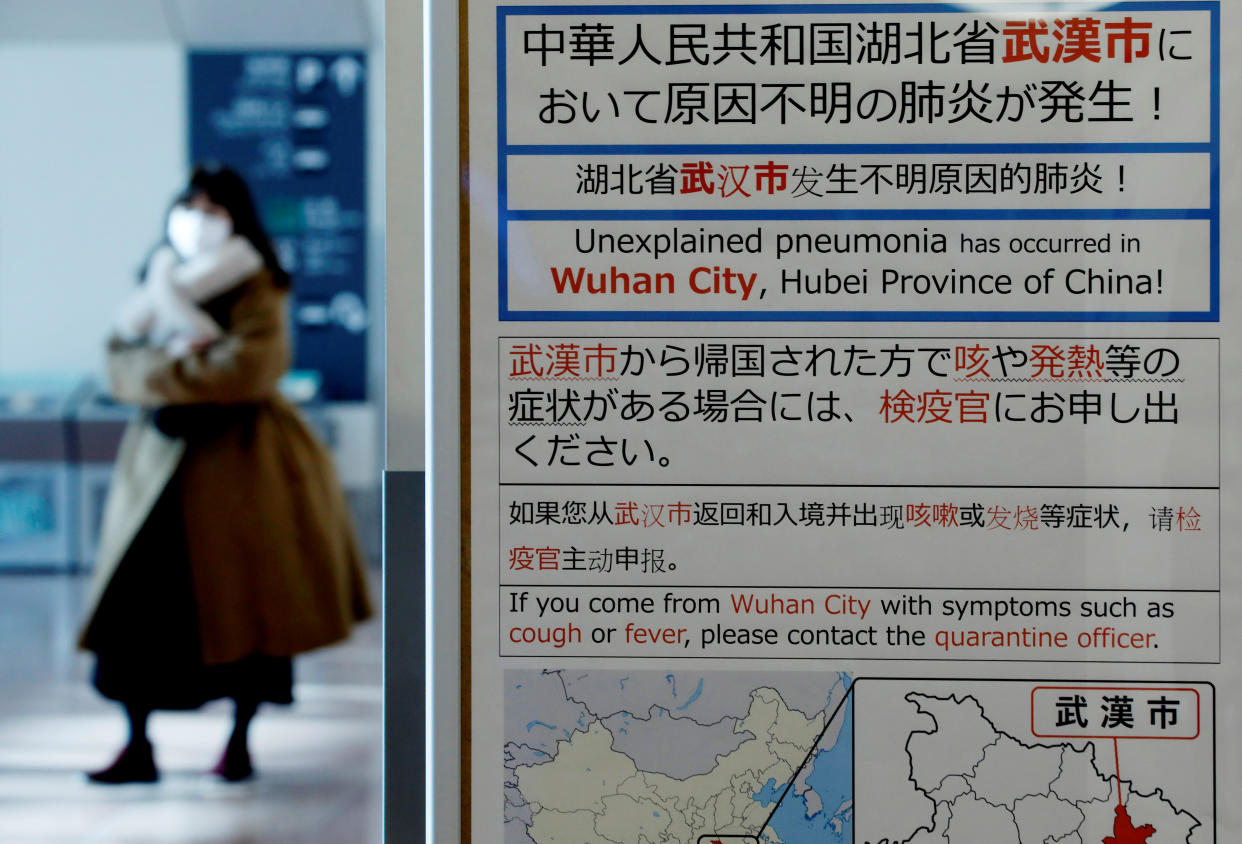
986	787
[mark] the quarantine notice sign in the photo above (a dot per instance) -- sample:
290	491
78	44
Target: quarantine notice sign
852	423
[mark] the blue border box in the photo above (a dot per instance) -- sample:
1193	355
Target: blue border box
505	149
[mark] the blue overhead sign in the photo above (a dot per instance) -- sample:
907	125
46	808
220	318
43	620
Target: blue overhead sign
294	124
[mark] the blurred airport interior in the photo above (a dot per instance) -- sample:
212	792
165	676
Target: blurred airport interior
107	106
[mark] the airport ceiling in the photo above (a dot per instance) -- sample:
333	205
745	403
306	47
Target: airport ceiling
195	23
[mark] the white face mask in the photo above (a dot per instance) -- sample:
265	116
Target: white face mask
193	232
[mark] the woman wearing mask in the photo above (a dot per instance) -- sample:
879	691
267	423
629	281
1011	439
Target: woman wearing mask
226	547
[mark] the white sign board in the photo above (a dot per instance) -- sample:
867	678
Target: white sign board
848	441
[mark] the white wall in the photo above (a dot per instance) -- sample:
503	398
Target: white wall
92	147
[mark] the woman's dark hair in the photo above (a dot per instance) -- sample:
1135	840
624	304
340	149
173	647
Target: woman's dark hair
225	187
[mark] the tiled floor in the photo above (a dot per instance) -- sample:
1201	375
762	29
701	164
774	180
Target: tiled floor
318	760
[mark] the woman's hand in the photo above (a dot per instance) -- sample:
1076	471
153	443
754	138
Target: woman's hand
184	345
200	343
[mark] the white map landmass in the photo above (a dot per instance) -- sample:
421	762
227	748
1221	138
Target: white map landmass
589	792
1047	818
1010	771
990	788
955	747
979	821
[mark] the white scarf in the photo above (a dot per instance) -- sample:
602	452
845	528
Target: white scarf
164	311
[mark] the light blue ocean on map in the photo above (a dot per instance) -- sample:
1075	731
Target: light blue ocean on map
769	794
832	780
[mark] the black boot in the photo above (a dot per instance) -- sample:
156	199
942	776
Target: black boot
234	764
135	763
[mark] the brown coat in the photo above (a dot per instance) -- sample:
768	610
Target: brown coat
274	562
